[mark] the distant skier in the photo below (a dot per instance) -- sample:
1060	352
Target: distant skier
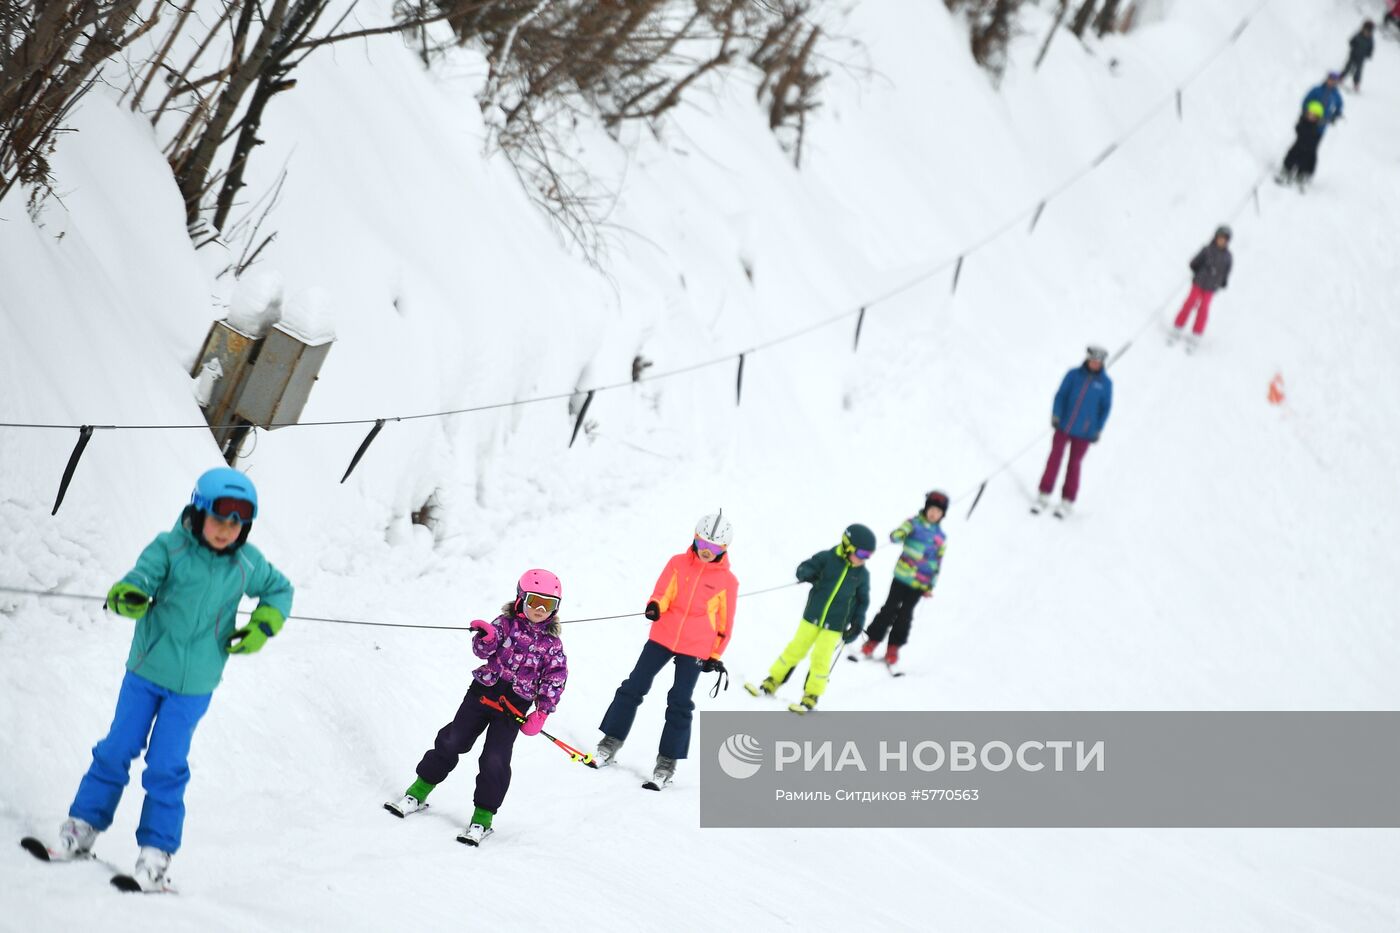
1301	159
525	664
915	574
835	613
1329	95
1392	16
183	594
1362	46
1080	412
692	619
1210	270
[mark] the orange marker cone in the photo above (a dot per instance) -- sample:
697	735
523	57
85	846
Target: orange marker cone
1276	389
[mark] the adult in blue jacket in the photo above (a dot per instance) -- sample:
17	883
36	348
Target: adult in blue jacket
1081	410
1329	95
183	595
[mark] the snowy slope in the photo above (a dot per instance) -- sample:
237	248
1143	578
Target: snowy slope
1227	554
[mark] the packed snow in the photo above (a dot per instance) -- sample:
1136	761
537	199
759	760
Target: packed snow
1227	553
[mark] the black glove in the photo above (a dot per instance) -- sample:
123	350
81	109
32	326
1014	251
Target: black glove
1094	439
1055	422
653	611
852	633
710	665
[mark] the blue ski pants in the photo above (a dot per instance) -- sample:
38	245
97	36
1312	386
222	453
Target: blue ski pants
675	735
168	719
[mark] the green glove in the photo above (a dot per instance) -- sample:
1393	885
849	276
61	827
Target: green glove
265	622
127	600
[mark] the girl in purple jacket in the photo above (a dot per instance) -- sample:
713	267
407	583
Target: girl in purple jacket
525	664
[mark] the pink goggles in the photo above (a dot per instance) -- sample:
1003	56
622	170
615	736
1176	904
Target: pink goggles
702	545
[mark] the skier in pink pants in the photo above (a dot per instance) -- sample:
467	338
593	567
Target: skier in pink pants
1211	268
1080	411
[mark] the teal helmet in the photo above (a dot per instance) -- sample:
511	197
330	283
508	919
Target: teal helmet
857	538
228	495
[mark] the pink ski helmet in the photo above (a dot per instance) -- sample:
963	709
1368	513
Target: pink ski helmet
541	583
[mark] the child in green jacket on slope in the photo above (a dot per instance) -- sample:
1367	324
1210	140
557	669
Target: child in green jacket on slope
835	613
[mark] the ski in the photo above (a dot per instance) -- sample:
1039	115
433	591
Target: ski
893	672
757	692
40	851
129	885
396	807
798	708
467	837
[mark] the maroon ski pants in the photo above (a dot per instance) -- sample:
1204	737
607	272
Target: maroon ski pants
1078	447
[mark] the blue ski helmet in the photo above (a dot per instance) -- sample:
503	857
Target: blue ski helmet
225	483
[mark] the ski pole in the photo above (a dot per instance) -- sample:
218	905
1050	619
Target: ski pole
583	758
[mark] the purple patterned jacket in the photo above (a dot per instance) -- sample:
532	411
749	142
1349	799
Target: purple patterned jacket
525	656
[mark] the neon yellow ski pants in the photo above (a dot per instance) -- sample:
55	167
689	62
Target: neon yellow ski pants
822	643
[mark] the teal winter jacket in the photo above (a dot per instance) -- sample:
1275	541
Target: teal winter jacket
180	642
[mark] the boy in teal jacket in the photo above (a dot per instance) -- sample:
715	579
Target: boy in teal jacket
835	613
183	593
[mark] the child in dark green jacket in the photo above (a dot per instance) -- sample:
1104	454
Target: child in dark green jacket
835	613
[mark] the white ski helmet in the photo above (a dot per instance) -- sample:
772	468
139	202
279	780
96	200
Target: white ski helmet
715	528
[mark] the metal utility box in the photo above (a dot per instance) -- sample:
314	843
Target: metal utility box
234	351
276	391
265	381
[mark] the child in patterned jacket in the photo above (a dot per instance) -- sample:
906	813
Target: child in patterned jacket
525	664
915	573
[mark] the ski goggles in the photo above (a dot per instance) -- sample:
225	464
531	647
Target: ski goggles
227	508
701	546
862	553
540	601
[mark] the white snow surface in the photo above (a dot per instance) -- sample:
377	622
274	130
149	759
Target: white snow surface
1226	553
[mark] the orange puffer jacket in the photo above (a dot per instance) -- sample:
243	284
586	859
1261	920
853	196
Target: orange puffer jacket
697	606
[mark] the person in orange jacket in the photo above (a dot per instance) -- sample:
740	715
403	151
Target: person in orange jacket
692	618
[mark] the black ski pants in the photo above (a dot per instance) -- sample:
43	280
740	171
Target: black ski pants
1353	68
896	615
457	738
1301	160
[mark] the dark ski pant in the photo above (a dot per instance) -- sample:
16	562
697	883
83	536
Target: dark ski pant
457	738
1301	160
1353	68
680	708
897	613
1078	447
168	718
